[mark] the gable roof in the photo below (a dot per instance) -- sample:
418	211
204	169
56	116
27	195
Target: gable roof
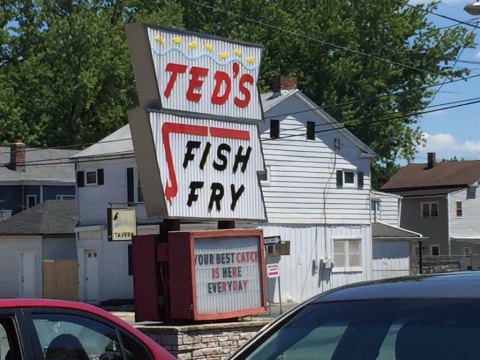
119	143
270	100
385	231
48	218
40	164
442	178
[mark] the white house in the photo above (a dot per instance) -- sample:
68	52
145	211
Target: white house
316	191
317	195
392	245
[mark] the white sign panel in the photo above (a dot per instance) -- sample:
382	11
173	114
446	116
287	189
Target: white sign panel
123	224
201	74
273	270
208	168
227	274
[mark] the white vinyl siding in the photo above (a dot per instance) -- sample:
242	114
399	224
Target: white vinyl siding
468	225
389	207
302	179
315	242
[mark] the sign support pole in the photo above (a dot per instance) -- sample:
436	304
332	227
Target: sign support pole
280	295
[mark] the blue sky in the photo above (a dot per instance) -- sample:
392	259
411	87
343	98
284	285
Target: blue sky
454	132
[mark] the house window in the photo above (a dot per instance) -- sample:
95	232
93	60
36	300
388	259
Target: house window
466	251
264	176
31	200
133	189
274	129
347	254
310	130
90	178
459	209
429	209
350	179
434	250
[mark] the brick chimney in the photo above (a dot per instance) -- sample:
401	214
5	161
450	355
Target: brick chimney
17	155
431	160
282	84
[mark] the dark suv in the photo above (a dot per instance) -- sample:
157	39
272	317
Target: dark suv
422	317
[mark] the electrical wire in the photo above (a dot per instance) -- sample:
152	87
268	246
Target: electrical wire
392	62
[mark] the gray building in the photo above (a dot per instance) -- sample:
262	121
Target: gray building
29	176
440	201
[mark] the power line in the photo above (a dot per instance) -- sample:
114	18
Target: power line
314	39
436	14
124	155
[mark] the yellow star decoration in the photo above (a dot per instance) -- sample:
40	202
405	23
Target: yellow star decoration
223	55
208	47
177	40
251	59
237	52
192	45
159	39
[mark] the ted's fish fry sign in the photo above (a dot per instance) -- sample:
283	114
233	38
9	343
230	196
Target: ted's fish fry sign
195	134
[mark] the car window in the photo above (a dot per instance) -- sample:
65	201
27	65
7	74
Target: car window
375	330
70	337
9	345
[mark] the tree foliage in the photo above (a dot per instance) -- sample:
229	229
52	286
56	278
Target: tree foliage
370	64
66	76
67	70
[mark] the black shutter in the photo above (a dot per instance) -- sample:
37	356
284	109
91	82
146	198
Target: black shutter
339	178
80	178
100	177
360	177
130	187
310	130
274	129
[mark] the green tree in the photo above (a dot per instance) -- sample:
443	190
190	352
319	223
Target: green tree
66	73
368	63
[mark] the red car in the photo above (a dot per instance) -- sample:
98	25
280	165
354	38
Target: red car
63	330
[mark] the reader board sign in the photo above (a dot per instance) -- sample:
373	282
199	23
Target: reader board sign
216	274
227	274
181	71
200	168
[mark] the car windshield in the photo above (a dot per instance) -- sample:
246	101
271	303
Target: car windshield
380	330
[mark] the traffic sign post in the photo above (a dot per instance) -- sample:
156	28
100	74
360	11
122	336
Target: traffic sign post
273	272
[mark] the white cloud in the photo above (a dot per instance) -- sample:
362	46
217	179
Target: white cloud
446	146
439	142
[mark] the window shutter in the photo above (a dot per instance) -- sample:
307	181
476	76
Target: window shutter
274	129
100	180
339	178
130	186
80	178
360	177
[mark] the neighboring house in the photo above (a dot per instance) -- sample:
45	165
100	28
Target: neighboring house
29	176
106	177
392	245
316	190
38	253
440	201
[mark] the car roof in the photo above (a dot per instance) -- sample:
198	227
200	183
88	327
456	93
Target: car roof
160	352
455	285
